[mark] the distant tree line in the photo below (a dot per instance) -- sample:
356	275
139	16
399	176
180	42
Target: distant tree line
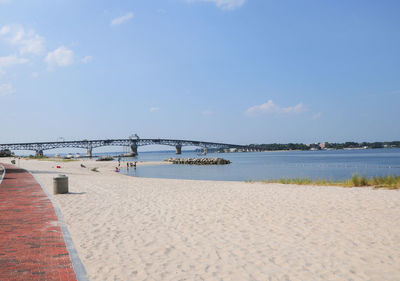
326	145
6	153
350	144
280	146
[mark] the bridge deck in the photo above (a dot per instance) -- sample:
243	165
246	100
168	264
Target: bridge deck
133	143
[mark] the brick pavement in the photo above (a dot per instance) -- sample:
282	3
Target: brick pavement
32	246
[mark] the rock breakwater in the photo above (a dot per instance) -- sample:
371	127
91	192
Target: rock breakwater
105	158
198	161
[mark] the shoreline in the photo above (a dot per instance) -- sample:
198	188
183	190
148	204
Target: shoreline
127	228
356	180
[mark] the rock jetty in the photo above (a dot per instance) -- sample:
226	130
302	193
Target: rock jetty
105	158
198	161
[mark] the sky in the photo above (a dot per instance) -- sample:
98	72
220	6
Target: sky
234	71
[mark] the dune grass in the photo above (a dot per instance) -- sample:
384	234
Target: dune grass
45	158
388	182
59	160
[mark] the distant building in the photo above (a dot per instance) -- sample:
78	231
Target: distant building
314	146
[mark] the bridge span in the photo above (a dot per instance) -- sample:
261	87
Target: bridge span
89	145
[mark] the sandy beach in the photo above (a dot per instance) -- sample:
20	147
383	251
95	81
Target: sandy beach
127	228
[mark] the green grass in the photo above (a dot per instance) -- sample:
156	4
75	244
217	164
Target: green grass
37	157
94	169
388	182
45	158
57	160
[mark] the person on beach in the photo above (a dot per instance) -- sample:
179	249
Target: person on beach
116	169
127	165
134	165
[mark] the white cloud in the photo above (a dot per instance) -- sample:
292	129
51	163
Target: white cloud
121	19
5	29
35	75
317	115
11	60
6	89
62	56
27	41
87	59
153	109
224	4
271	107
5	1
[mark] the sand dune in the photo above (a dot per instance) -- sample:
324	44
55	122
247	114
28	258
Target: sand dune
127	228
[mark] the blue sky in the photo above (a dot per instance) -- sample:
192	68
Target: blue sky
237	71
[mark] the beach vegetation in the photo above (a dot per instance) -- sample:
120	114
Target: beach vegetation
40	157
95	169
6	153
388	182
45	158
58	160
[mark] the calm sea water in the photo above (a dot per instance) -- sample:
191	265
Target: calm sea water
334	165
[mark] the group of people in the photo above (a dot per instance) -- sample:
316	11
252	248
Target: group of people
128	165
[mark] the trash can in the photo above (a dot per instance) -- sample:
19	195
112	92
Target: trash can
60	184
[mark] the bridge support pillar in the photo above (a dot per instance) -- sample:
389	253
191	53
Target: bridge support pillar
178	149
134	150
39	153
89	152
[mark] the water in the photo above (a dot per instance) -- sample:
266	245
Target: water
333	165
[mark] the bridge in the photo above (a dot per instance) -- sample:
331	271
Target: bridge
39	147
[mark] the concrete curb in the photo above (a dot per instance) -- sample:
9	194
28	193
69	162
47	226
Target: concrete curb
79	268
3	175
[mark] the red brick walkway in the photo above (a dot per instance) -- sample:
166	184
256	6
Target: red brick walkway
32	246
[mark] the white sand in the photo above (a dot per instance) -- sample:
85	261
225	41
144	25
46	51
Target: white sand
127	228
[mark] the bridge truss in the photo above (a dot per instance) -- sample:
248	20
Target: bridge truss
39	147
